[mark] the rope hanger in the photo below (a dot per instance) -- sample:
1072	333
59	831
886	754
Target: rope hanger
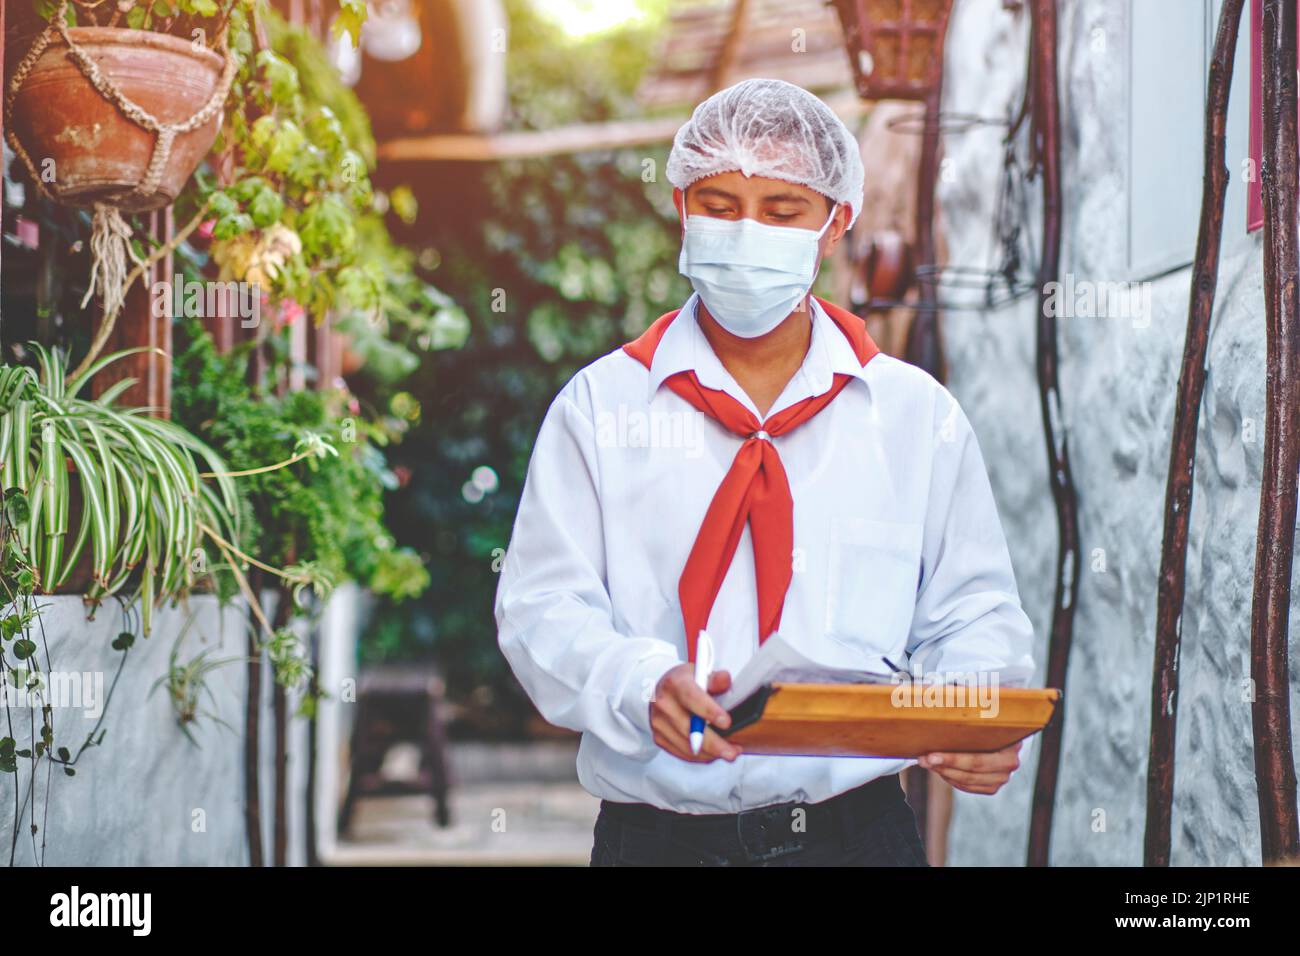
110	233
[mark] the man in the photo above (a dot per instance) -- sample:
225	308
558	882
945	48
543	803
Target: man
752	463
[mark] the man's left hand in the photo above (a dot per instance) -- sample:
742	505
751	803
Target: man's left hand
973	772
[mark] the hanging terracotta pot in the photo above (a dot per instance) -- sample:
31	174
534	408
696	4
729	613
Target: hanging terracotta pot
85	147
895	46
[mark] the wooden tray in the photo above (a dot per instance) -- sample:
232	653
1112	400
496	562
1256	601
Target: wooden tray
865	720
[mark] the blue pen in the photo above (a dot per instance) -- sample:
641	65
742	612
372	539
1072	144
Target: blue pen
703	668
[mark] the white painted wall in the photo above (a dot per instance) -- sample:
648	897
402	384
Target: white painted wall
135	800
1118	382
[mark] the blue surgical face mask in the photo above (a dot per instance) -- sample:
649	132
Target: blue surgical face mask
749	275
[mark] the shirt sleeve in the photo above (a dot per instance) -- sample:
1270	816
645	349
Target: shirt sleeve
555	622
968	616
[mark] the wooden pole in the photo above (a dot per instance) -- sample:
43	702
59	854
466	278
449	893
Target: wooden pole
1045	130
1182	449
324	355
726	60
1275	775
2	139
280	838
313	742
924	347
145	323
280	705
252	735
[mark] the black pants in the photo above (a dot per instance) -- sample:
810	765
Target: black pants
871	825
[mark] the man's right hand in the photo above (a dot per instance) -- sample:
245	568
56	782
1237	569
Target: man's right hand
676	698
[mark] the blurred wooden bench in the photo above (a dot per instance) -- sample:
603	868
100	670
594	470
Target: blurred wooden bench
398	704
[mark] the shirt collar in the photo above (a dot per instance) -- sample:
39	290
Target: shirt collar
684	347
843	360
676	351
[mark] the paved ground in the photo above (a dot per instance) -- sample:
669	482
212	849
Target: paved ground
511	804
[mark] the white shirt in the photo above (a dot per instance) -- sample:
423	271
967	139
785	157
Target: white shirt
898	552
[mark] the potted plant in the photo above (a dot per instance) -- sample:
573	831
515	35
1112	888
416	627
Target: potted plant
128	493
145	498
113	107
116	104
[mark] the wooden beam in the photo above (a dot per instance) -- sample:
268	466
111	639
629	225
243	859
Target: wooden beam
575	138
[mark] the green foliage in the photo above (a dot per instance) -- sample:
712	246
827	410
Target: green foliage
177	17
145	510
318	82
187	685
205	20
583	251
391	314
301	219
326	508
288	658
150	15
352	14
289	221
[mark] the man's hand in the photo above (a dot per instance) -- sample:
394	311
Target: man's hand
676	698
975	773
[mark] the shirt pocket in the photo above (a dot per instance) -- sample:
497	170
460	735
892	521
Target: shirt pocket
874	571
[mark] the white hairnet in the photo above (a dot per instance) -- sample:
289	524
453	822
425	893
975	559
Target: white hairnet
774	129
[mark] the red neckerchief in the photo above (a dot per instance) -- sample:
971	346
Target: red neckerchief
755	488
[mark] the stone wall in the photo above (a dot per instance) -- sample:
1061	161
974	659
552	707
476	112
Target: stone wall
1118	388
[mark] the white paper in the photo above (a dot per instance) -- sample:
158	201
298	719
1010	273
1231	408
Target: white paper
777	661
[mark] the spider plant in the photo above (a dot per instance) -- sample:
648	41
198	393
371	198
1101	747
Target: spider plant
187	684
144	508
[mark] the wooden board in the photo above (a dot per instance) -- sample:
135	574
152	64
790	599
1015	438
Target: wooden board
869	720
